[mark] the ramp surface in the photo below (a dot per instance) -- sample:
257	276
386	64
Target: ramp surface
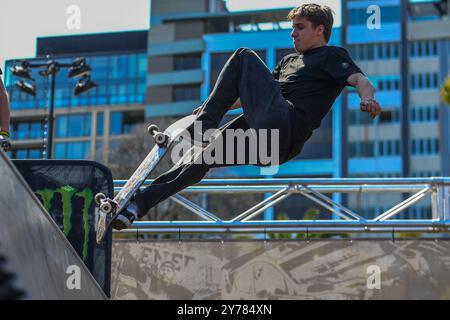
35	250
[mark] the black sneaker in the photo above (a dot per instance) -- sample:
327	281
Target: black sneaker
124	220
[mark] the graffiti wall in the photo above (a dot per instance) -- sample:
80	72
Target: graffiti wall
281	270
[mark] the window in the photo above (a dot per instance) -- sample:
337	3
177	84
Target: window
381	148
420	83
428	114
389	148
100	122
352	149
381	48
26	154
27	130
427	146
187	62
72	150
125	122
395	50
77	125
427	81
359	16
385	116
186	92
434	48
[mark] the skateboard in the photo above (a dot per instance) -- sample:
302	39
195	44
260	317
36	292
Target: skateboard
110	208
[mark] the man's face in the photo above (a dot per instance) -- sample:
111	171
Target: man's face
305	36
166	273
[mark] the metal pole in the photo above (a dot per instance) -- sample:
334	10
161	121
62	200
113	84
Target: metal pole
405	130
51	118
344	108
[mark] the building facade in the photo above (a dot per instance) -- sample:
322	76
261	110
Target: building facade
89	125
190	42
404	49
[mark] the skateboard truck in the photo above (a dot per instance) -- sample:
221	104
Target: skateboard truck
106	205
159	137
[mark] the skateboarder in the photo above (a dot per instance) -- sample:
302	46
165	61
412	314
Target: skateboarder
293	99
5	142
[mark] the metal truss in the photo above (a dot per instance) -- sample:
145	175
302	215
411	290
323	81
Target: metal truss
280	189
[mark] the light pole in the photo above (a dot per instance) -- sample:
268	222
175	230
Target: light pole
78	68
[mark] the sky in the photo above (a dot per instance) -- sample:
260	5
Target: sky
23	21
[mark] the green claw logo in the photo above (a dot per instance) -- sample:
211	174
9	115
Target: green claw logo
67	195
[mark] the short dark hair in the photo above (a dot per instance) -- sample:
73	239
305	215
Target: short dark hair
317	14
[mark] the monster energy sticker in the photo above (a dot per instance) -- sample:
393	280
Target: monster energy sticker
66	189
71	203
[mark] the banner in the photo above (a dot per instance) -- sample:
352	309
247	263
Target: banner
67	189
281	270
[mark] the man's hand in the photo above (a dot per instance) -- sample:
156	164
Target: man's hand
371	106
5	142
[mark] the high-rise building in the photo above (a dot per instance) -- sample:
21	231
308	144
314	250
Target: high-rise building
89	125
402	46
190	42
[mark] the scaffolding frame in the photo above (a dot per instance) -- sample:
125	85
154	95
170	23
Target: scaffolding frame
438	188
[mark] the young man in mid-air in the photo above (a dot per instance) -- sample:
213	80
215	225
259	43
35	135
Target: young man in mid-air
292	99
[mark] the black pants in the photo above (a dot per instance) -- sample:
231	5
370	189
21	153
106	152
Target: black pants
244	76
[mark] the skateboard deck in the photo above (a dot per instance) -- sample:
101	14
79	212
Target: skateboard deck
110	208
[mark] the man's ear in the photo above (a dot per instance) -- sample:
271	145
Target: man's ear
320	29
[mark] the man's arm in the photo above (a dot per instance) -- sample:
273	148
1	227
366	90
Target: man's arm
4	108
366	92
5	142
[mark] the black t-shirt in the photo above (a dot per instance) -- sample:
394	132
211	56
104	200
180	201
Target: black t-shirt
314	80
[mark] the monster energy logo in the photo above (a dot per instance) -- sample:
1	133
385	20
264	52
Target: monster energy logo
68	194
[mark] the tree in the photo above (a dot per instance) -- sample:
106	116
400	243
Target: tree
445	91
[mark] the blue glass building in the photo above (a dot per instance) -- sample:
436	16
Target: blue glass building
87	124
406	140
405	57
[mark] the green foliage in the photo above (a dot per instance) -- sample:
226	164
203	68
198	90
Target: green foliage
445	91
310	214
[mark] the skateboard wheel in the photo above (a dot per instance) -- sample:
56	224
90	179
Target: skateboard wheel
106	207
152	129
160	138
99	197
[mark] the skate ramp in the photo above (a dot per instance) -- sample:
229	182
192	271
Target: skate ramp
248	270
44	263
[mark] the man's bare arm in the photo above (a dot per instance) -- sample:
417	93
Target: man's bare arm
4	108
366	92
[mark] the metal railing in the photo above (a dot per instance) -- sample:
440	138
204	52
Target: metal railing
280	189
